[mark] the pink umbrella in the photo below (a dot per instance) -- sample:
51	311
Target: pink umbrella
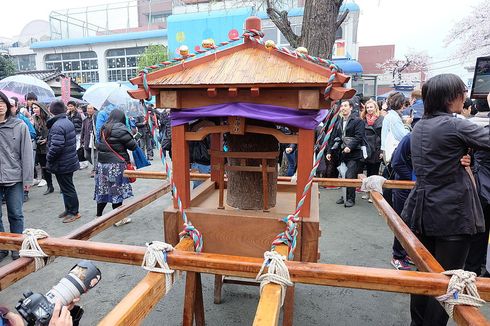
13	94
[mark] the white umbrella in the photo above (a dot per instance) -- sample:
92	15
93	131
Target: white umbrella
23	84
103	94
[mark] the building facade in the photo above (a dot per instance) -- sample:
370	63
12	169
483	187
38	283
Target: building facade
104	54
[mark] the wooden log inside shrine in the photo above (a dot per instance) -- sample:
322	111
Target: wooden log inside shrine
269	306
367	278
463	315
139	302
22	267
389	184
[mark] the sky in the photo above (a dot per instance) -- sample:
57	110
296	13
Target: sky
416	24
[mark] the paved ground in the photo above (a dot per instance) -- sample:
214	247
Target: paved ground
355	236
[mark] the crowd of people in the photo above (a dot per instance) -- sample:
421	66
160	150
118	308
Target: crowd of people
438	138
39	141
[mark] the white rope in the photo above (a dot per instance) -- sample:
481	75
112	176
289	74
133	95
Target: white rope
30	247
277	272
374	182
155	260
461	290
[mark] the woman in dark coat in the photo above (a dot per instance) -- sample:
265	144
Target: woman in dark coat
443	208
373	124
110	184
41	116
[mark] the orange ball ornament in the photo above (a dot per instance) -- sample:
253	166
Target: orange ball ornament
302	50
208	43
184	50
270	45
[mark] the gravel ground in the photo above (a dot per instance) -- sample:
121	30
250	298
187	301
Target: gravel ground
355	236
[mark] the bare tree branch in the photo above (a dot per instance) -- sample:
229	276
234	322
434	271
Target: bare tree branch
341	19
280	19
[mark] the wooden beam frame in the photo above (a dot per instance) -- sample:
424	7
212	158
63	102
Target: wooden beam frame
138	303
463	315
367	278
22	267
389	184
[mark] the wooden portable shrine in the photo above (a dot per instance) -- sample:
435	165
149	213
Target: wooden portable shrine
246	73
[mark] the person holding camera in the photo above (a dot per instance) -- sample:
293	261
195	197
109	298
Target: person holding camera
348	139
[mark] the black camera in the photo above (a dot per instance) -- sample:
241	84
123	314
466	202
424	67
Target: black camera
37	309
336	143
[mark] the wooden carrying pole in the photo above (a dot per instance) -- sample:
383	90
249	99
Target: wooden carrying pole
463	315
269	305
22	267
138	303
367	278
389	184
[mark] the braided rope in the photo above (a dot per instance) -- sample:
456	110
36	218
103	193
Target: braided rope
461	290
189	229
289	236
277	272
31	248
155	260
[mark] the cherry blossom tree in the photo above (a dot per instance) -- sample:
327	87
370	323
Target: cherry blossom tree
472	33
413	62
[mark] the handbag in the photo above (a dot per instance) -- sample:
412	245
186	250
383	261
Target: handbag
129	166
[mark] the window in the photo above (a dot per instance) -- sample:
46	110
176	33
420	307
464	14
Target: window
339	34
81	66
158	18
25	62
122	63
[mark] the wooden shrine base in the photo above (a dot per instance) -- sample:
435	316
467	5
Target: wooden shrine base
245	232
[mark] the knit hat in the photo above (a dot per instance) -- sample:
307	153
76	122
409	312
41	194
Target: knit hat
5	99
57	107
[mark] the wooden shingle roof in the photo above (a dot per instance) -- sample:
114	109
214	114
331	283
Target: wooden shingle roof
249	66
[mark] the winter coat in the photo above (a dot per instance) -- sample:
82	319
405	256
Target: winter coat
62	146
76	119
444	201
87	131
41	134
352	138
120	140
16	161
373	138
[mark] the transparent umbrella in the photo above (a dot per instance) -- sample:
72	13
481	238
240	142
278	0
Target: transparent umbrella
22	84
108	96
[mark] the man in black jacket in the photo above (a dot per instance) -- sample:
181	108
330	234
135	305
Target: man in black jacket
349	134
62	159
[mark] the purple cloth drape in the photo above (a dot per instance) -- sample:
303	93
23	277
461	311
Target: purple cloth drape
305	119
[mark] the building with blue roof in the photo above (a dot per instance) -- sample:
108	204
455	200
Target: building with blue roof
92	56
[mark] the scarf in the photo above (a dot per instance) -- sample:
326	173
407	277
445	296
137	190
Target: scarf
371	118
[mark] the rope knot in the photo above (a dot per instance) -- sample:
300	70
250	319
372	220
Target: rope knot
461	290
155	260
277	272
31	248
374	182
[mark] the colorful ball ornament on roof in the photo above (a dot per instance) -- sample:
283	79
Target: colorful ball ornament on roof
208	43
184	50
302	50
270	44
